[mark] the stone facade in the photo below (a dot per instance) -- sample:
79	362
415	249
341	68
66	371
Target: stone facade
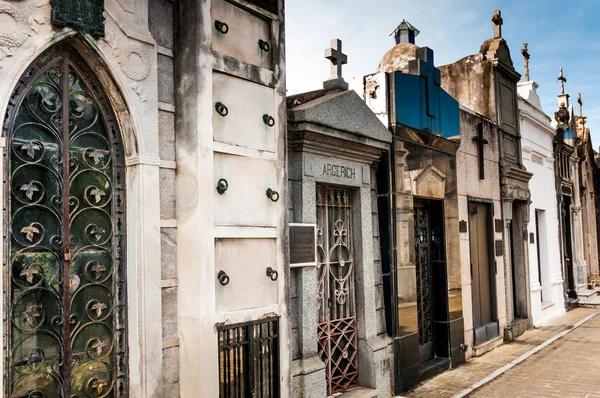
547	296
164	66
475	190
335	143
486	83
567	180
587	170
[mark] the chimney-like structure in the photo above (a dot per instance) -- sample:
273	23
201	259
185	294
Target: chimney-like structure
405	33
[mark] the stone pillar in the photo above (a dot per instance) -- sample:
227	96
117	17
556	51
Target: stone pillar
308	370
194	196
373	354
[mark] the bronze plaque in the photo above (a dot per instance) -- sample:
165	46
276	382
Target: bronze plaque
303	244
498	225
462	226
499	248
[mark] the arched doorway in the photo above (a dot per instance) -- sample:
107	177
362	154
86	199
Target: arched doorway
65	223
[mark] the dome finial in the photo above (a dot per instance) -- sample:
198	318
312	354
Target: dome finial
405	33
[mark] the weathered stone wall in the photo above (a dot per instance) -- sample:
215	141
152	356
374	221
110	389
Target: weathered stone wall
469	81
160	24
469	186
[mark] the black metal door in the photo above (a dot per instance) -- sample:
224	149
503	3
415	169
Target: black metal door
335	269
65	259
423	257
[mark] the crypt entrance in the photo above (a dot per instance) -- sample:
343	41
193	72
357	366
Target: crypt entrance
64	218
430	267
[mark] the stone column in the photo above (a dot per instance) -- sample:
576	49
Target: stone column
194	197
308	370
372	350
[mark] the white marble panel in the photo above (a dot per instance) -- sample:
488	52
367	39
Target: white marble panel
246	104
245	203
245	261
245	30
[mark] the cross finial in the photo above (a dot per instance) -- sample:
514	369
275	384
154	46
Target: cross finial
562	79
498	21
526	56
337	58
580	102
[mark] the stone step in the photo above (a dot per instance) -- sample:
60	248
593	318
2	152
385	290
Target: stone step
593	302
587	293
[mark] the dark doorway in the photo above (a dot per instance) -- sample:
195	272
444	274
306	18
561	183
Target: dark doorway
485	323
567	246
430	264
519	267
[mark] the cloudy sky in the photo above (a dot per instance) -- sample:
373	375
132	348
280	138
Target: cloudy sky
559	33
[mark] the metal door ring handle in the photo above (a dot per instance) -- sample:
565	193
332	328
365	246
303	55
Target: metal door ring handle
222	186
271	273
221	109
222	27
269	121
223	278
263	45
273	195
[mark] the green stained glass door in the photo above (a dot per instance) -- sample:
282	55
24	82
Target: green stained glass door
65	217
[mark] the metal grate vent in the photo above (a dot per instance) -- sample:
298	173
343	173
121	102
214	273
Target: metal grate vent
249	359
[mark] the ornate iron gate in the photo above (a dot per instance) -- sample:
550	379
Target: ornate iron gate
335	266
424	280
249	359
65	262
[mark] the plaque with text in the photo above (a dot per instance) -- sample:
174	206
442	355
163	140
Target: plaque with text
303	245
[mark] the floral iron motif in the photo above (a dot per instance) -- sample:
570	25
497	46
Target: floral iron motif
96	155
30	231
29	189
99	307
97	194
30	148
31	314
28	274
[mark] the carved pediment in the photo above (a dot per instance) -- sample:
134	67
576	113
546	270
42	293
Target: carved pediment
430	182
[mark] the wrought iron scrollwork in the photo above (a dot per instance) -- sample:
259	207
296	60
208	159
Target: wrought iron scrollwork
66	323
335	288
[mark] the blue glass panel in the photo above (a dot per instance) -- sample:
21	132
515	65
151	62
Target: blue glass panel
412	101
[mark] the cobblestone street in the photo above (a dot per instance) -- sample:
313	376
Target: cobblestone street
568	367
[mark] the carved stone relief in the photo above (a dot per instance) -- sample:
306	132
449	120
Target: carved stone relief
133	59
515	193
16	27
430	183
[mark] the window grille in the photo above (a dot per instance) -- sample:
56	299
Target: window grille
249	359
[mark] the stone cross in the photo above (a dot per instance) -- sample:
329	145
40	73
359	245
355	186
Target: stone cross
337	58
582	119
562	79
498	21
526	56
480	141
